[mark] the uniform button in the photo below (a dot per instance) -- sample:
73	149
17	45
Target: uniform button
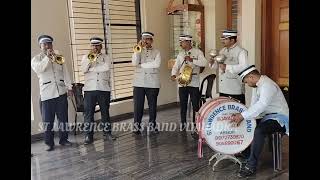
220	80
98	73
98	80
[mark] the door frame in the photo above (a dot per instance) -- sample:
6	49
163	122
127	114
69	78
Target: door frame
266	25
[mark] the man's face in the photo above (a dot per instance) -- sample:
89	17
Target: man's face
227	42
185	44
96	48
45	46
148	41
249	79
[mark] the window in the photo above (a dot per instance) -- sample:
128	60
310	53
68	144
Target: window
118	22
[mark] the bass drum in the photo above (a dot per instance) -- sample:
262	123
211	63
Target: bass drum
215	129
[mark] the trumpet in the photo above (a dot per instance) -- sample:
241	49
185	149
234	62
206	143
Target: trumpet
92	57
56	58
59	59
137	48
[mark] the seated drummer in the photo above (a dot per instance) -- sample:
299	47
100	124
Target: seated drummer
267	102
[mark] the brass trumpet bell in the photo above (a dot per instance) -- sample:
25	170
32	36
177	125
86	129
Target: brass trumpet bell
137	48
59	59
92	57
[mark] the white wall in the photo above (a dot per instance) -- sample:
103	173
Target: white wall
251	35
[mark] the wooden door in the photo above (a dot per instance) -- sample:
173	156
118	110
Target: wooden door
275	47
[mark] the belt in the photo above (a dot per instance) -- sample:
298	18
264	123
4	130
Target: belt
46	83
271	113
194	74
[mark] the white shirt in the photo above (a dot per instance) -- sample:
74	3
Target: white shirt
198	61
147	72
235	68
267	98
229	81
96	75
148	58
54	79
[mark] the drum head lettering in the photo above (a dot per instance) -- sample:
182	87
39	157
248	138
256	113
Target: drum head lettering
221	135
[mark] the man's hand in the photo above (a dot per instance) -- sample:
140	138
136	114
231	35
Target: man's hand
188	58
223	67
142	43
236	118
70	93
173	77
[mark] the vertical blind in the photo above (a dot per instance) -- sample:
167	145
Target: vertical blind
118	23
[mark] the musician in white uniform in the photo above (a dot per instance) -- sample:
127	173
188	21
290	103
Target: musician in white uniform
146	81
97	87
228	81
55	84
195	58
267	102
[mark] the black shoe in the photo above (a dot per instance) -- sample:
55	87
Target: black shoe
242	158
109	136
246	172
136	130
88	140
156	130
50	148
152	130
65	143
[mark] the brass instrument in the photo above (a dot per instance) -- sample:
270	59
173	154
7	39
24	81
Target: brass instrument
92	57
59	59
185	76
220	58
56	58
213	53
137	48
